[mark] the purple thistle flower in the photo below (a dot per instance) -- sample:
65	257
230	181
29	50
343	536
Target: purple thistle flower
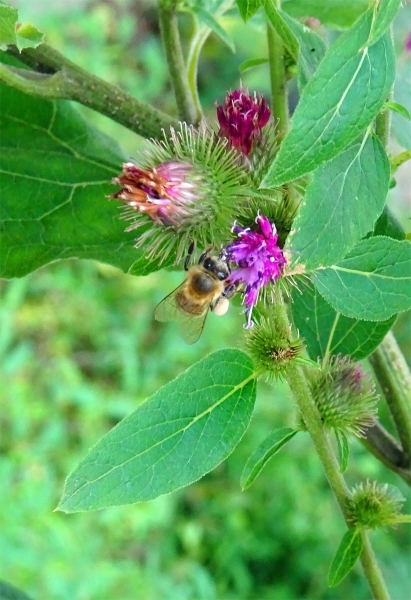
407	44
165	193
260	261
242	119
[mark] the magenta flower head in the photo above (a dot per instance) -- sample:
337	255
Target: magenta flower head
260	261
242	119
407	43
164	193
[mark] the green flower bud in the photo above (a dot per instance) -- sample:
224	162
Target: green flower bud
271	352
374	506
345	396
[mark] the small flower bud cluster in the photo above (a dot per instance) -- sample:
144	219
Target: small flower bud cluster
345	396
374	506
269	350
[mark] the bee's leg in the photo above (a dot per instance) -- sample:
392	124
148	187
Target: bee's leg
229	291
189	255
204	255
220	305
224	257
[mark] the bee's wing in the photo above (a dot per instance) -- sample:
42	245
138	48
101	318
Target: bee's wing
190	326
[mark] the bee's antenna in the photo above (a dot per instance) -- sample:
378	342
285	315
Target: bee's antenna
189	255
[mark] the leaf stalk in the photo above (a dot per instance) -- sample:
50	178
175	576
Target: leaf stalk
167	10
57	77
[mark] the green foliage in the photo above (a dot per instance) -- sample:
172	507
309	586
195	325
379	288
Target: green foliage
337	14
347	555
9	592
341	99
253	62
402	94
399	109
206	18
24	35
185	430
80	351
311	49
384	13
372	282
343	449
326	331
248	8
265	451
59	168
281	27
354	182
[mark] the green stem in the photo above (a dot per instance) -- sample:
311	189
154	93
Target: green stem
394	376
197	42
301	391
383	125
279	96
387	450
56	77
175	60
372	570
311	417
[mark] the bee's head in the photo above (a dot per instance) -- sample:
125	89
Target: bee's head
217	265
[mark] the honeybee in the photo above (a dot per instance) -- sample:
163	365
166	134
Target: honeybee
202	290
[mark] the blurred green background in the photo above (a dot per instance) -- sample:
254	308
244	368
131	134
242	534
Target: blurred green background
80	350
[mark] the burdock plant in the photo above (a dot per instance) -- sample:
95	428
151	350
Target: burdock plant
294	211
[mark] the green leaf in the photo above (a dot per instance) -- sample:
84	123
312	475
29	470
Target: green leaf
335	14
248	8
8	20
281	27
266	450
347	554
11	34
402	94
343	449
311	49
384	13
210	21
182	432
387	224
399	160
398	108
9	592
354	183
56	170
253	62
373	282
325	331
341	99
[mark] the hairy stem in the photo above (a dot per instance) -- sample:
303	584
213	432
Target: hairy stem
56	77
175	60
279	96
383	125
387	450
394	376
197	43
311	417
